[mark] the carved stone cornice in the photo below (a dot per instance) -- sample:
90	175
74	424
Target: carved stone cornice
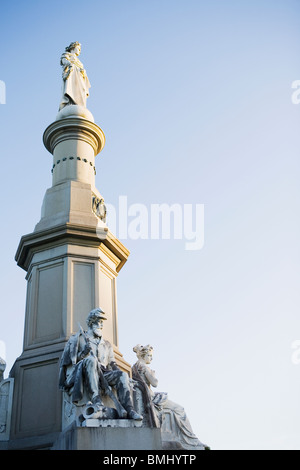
72	234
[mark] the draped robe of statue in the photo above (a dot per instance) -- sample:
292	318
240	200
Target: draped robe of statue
76	84
159	403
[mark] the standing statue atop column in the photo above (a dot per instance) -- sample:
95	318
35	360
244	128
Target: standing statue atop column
177	428
88	370
75	81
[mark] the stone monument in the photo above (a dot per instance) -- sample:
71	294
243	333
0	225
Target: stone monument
71	387
71	260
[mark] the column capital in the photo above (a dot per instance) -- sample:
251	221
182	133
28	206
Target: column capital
74	128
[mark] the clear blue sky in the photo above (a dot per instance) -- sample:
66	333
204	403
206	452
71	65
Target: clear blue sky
194	98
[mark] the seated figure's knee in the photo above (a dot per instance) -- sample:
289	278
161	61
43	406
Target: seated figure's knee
120	375
124	377
118	378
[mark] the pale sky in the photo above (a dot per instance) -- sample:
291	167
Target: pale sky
195	100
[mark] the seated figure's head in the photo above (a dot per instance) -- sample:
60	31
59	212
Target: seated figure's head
144	353
95	320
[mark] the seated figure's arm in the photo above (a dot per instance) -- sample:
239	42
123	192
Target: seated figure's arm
150	376
84	347
111	360
83	352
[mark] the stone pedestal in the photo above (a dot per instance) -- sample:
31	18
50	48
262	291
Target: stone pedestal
72	261
109	438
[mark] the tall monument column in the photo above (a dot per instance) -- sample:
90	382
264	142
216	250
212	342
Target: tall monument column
72	261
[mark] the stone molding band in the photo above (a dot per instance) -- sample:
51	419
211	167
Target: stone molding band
73	234
74	129
73	158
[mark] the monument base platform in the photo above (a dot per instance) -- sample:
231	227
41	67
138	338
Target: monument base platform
108	438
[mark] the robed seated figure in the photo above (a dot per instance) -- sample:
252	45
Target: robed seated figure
175	429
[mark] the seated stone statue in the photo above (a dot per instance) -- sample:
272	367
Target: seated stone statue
88	370
160	405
